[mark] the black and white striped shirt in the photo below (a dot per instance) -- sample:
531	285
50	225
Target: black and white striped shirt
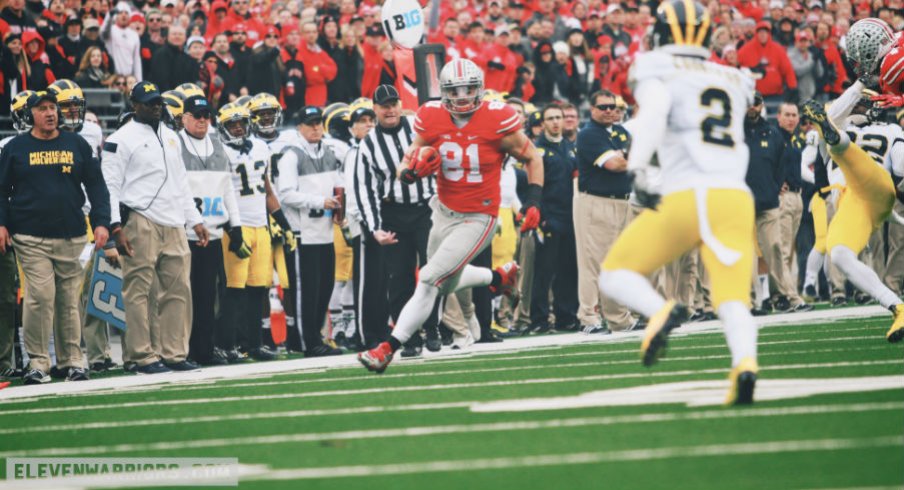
379	154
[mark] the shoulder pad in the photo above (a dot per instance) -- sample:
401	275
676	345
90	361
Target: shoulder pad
653	64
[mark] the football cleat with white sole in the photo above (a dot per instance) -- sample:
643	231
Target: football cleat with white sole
657	331
376	359
743	380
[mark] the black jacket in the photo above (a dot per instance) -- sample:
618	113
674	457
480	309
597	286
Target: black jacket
268	71
346	87
593	142
768	156
171	67
559	165
795	144
41	186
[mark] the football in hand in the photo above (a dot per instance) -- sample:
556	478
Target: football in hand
427	161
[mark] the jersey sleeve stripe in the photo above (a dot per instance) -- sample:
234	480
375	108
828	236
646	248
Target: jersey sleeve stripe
509	120
509	127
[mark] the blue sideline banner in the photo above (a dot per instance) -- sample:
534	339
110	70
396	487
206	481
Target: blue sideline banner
105	293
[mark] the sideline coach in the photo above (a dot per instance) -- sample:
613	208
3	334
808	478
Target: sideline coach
41	198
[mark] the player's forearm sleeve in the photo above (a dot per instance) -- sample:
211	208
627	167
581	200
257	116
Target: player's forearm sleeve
839	110
808	158
655	95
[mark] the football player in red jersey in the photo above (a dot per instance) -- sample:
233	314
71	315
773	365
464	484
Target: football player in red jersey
473	138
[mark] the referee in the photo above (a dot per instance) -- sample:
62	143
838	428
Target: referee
396	217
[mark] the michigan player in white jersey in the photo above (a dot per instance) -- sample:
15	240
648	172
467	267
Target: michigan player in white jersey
868	200
882	141
248	279
699	141
266	119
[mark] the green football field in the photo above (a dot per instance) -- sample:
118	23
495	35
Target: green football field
585	414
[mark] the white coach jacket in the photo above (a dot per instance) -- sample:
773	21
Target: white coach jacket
144	170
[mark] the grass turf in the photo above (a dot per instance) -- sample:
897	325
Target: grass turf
296	421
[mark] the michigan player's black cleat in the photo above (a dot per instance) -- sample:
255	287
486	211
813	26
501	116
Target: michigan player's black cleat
657	331
743	380
815	112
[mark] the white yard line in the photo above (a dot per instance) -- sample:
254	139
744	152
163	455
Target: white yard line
251	473
405	432
211	385
648	454
240	371
434	387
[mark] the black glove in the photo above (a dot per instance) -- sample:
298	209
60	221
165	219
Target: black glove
646	196
408	176
237	243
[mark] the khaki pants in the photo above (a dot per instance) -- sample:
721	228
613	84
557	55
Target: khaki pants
701	292
527	249
894	265
597	223
52	280
679	279
792	207
161	252
454	317
8	271
768	235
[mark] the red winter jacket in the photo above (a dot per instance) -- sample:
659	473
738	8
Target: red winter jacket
499	64
772	58
833	57
319	70
373	65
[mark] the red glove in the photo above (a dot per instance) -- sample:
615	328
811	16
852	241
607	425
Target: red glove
423	162
888	100
531	219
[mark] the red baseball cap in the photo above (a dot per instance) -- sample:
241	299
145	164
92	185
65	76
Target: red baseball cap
218	5
136	17
763	25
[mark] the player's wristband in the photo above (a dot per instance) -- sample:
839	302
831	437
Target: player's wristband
533	195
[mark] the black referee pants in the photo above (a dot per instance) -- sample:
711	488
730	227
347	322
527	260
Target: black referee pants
312	273
207	273
371	300
481	296
411	223
555	264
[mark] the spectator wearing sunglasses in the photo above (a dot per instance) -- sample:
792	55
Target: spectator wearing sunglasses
239	13
153	38
601	209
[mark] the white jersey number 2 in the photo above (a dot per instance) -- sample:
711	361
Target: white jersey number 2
453	162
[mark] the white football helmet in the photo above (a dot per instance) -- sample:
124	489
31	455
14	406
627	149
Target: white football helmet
461	86
867	42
